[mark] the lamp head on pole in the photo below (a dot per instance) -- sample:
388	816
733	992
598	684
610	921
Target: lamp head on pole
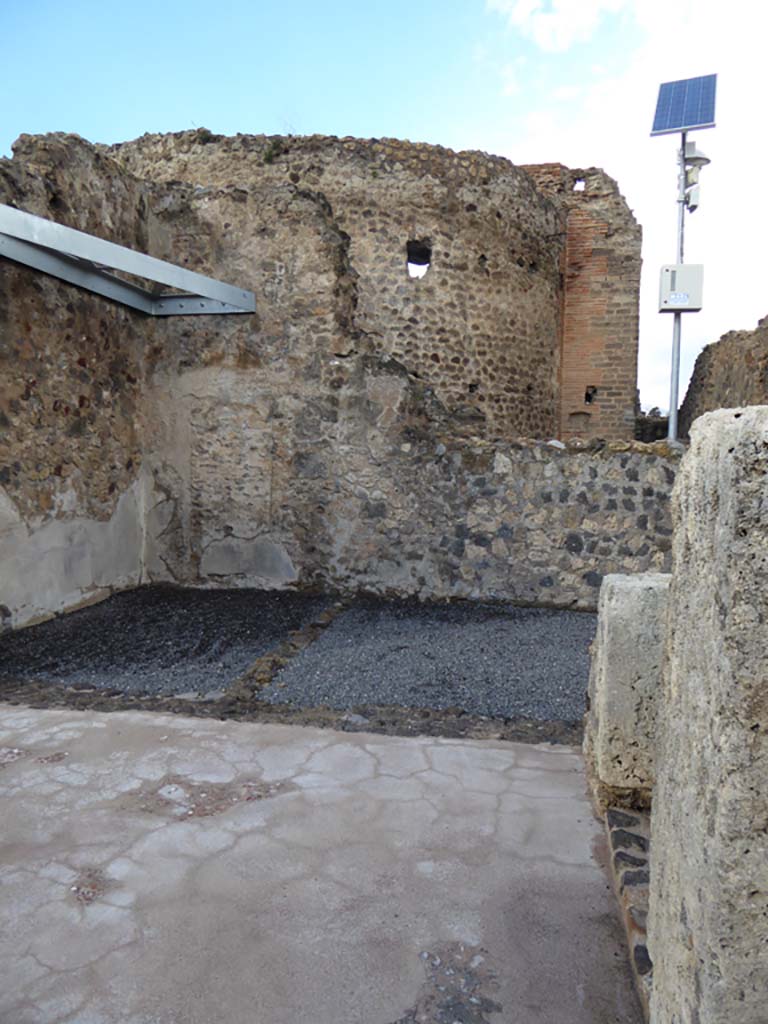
694	157
694	161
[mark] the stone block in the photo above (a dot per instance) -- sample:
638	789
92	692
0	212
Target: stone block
708	921
624	687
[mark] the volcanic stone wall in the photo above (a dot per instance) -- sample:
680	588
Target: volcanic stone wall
731	372
305	444
380	496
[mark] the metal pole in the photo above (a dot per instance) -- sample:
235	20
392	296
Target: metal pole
677	326
672	431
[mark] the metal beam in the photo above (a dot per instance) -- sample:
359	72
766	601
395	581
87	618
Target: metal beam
81	259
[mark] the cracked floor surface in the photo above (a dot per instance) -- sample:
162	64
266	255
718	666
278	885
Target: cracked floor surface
158	869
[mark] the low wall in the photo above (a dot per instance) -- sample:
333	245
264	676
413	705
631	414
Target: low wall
379	497
709	869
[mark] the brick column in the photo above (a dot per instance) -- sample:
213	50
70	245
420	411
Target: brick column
598	371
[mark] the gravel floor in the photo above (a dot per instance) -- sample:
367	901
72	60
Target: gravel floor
159	639
487	659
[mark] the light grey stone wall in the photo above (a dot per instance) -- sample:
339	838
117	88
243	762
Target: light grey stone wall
625	686
708	924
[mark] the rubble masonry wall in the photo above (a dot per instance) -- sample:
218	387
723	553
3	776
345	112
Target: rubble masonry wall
531	301
291	447
729	373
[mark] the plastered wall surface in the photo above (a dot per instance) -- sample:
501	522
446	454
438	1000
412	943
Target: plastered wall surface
307	444
709	868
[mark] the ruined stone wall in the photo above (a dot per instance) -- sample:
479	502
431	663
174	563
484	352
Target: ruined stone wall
483	325
322	461
474	327
70	385
290	447
729	373
598	374
709	867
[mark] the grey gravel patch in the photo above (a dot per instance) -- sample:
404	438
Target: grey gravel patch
159	639
487	659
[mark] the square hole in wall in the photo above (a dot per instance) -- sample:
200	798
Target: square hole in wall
418	257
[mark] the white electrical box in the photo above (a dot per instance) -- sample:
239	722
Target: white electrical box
680	288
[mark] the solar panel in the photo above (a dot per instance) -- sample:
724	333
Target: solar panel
684	105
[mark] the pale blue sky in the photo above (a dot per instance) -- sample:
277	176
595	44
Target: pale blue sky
430	71
534	80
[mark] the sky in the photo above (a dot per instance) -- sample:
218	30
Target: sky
573	81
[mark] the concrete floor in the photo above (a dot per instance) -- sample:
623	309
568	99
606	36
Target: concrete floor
167	870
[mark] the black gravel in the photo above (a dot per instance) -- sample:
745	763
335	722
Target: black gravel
495	660
491	660
158	639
